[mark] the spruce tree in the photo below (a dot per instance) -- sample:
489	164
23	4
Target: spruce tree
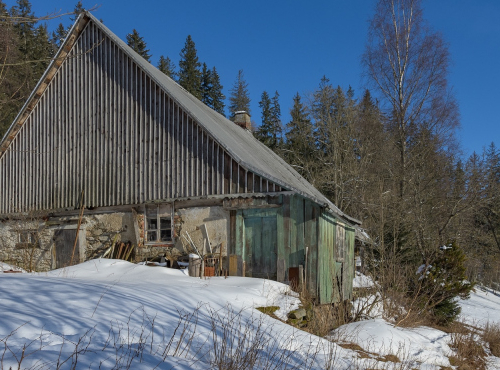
189	69
299	148
270	130
299	136
166	66
76	12
276	120
206	85
138	44
58	36
216	95
264	132
239	99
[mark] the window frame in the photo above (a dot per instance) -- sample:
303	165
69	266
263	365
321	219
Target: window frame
160	214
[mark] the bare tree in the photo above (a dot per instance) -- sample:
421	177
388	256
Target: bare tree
408	65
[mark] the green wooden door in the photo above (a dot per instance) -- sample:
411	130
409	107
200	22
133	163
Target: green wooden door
260	241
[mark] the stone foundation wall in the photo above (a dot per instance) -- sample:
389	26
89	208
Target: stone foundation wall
34	256
102	230
189	221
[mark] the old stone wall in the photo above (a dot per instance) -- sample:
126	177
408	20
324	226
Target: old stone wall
35	255
192	221
99	231
102	230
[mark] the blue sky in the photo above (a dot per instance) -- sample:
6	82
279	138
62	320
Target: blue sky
289	45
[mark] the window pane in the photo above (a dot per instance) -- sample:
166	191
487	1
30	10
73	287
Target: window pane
152	236
152	223
164	223
166	235
24	237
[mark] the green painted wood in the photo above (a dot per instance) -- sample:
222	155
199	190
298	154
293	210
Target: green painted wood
257	241
311	243
298	216
281	273
286	233
292	232
252	252
268	260
349	264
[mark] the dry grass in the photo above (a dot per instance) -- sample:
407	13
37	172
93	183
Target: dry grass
491	335
470	354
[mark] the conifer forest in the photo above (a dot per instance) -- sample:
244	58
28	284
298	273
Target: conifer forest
388	156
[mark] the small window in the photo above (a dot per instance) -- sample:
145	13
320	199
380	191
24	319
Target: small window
27	239
158	225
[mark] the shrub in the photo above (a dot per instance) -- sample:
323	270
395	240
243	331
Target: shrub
441	282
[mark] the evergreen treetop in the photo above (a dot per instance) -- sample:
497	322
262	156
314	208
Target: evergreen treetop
270	130
137	43
166	66
216	95
189	69
239	99
76	12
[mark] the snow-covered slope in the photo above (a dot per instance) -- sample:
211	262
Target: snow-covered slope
112	310
111	313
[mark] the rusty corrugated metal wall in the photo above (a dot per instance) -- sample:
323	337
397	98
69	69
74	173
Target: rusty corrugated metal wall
102	126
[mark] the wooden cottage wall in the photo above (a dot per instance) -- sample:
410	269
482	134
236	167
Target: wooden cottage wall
327	289
307	235
349	266
105	128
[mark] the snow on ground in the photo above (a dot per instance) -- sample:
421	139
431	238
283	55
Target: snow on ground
362	281
421	347
112	311
424	347
5	267
482	307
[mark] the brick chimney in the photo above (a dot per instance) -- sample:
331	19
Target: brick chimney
242	119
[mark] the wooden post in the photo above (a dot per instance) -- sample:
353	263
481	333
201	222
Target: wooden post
233	265
301	278
305	269
220	258
244	268
78	229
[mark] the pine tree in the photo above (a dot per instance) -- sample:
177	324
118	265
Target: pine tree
138	44
211	89
264	132
276	120
189	69
299	147
206	85
24	26
76	12
166	66
216	95
58	36
239	99
299	136
270	129
25	46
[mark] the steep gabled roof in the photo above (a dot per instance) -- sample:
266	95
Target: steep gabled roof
239	143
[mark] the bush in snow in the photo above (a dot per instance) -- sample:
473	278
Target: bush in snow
440	283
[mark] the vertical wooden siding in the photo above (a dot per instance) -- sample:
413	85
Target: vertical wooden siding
104	127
